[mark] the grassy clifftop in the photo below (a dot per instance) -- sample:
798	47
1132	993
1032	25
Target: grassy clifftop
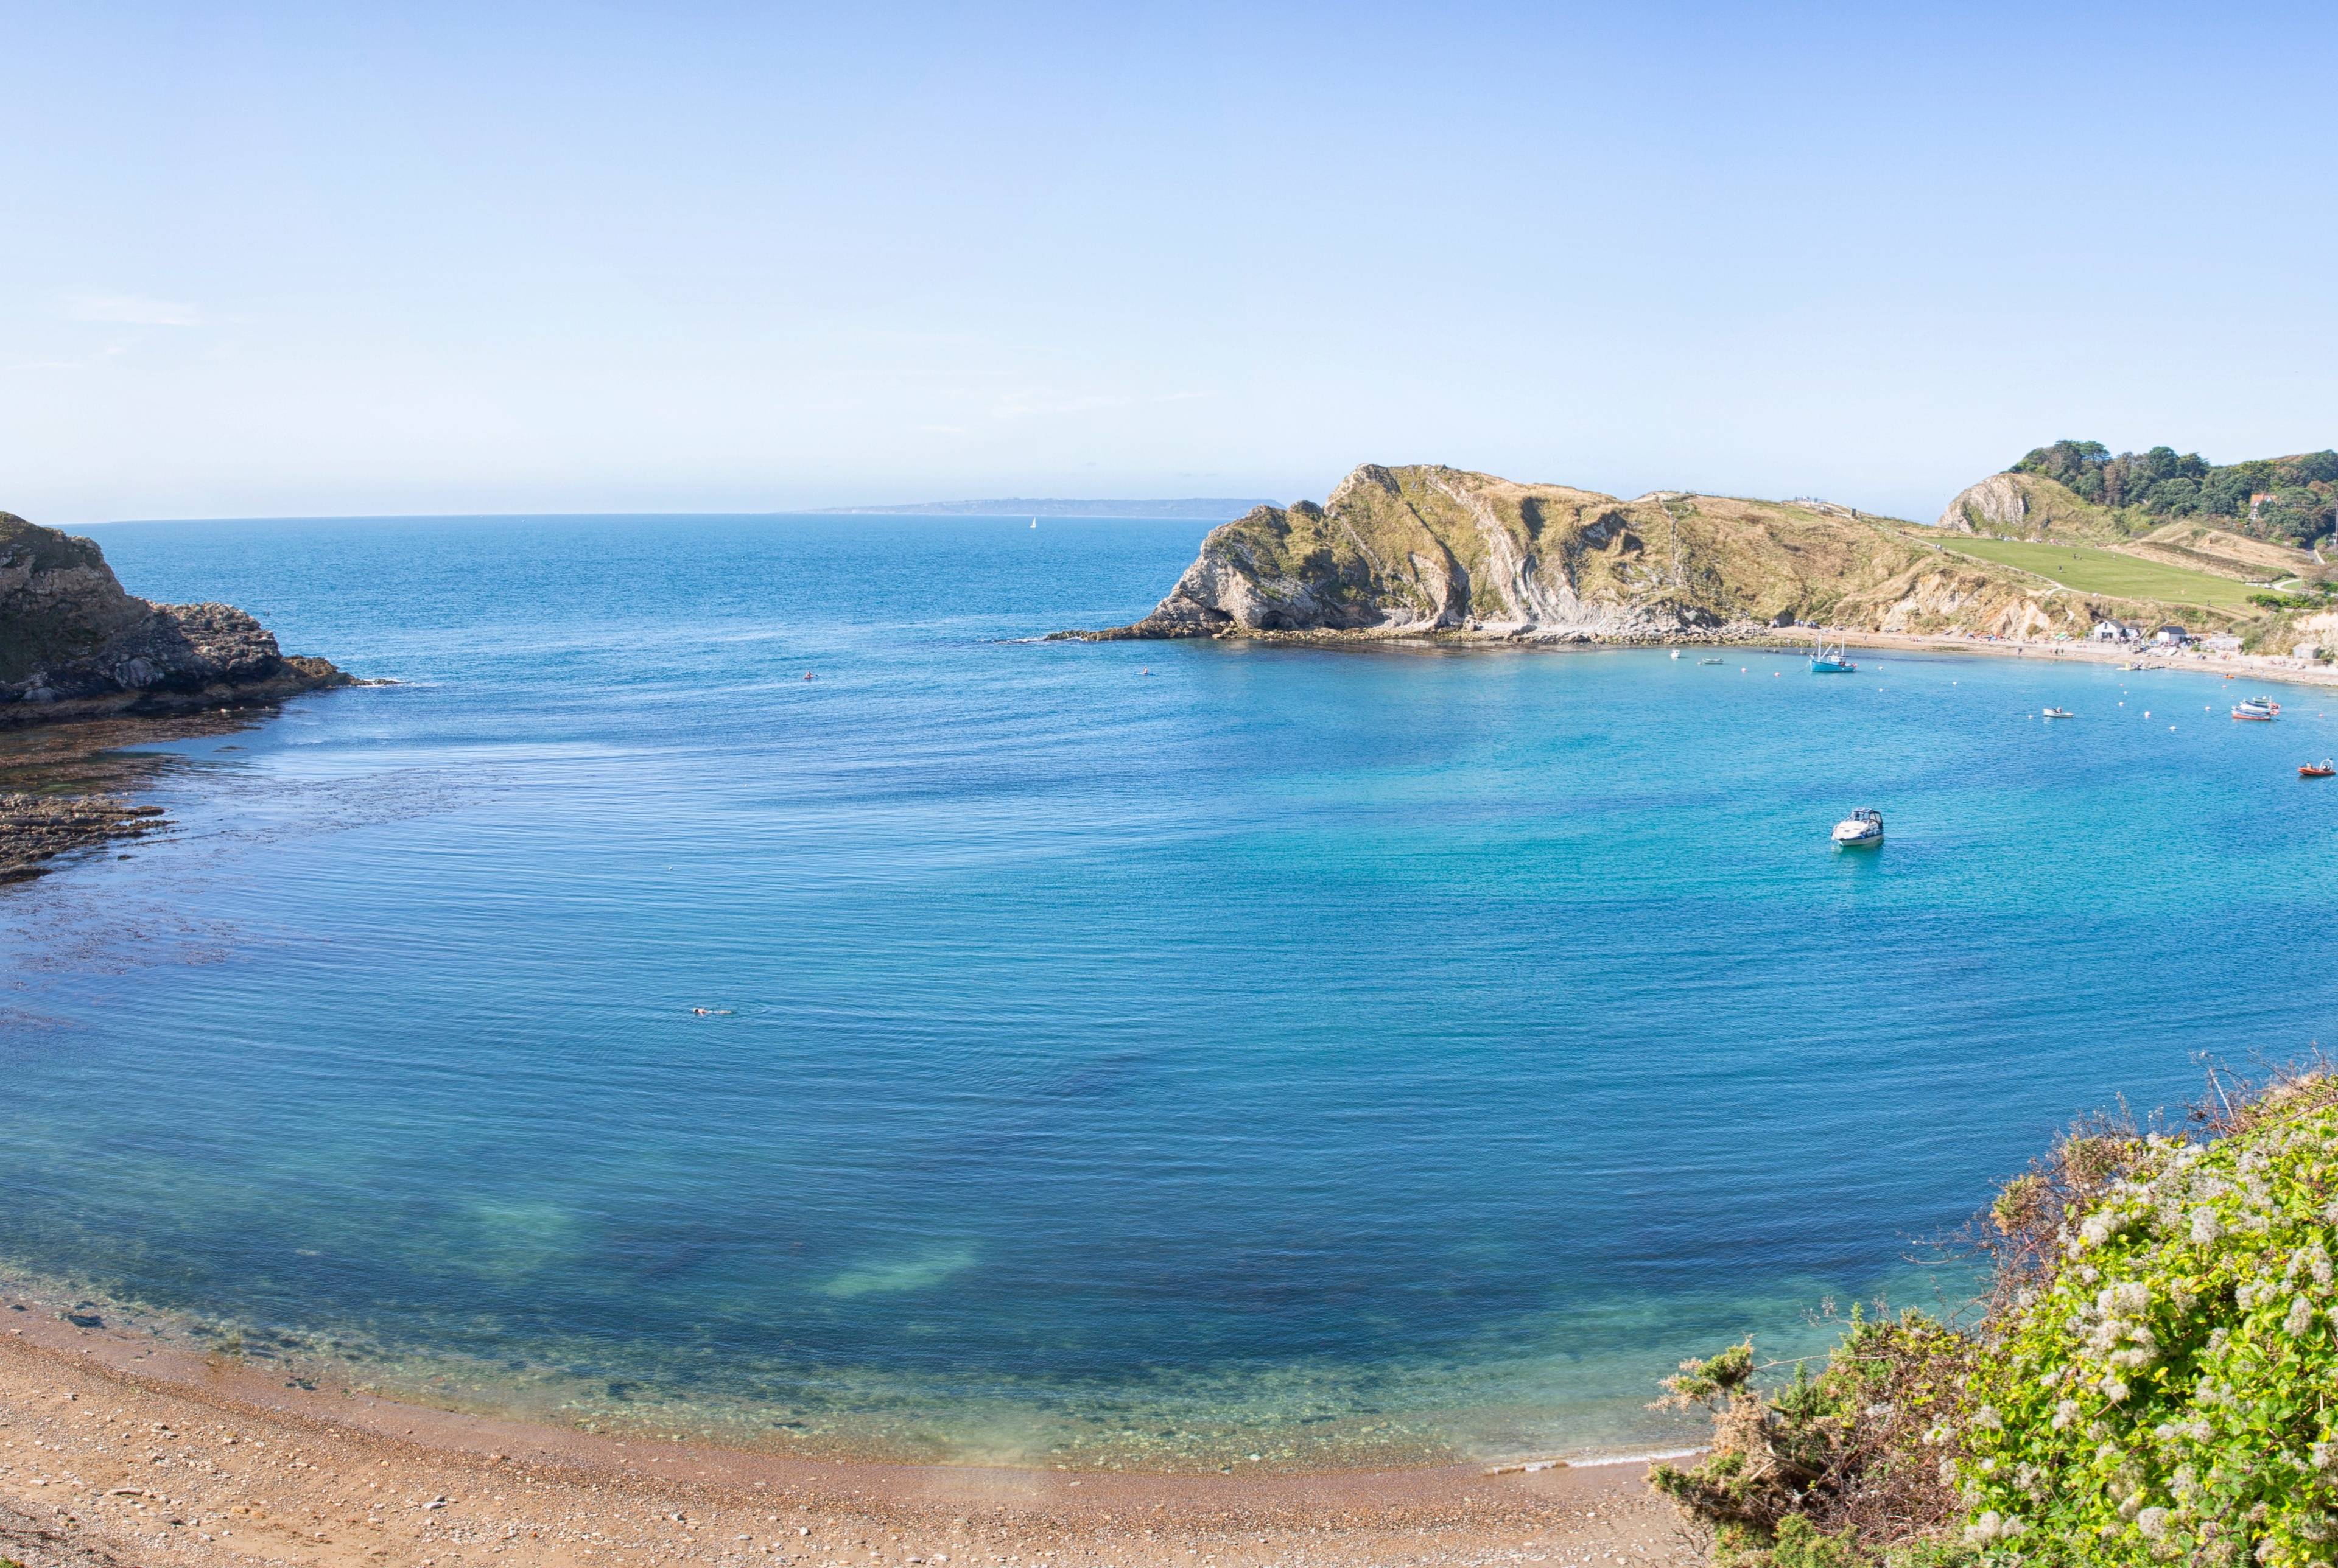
2253	522
1430	550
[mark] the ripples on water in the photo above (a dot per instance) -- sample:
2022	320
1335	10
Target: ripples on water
1321	1055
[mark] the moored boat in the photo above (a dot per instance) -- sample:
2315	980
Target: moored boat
2256	710
1826	661
1859	830
2057	713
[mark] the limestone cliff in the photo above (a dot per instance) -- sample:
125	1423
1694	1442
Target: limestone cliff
1998	504
2012	505
73	644
1428	550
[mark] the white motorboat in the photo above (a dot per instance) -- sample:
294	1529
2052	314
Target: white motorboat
1859	830
2057	713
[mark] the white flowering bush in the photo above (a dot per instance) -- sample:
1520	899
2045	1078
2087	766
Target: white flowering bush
2154	1380
2163	1384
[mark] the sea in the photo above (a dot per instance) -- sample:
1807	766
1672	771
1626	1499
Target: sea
742	983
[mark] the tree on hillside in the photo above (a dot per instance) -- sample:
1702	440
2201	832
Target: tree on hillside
2297	491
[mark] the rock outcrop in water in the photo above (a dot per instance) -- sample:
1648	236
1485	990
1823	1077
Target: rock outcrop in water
73	644
1436	551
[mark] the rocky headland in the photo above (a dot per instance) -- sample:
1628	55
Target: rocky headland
74	645
1428	551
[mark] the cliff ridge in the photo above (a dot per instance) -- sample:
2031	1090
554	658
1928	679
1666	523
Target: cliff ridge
1428	550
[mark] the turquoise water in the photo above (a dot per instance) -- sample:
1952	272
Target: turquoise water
1128	1053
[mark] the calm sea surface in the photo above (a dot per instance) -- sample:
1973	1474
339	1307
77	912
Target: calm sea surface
1135	1053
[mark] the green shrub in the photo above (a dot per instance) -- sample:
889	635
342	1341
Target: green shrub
2162	1390
2153	1381
1825	1470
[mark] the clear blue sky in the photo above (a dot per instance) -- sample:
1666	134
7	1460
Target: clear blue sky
303	259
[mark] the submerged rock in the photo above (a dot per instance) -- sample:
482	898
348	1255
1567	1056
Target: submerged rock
73	644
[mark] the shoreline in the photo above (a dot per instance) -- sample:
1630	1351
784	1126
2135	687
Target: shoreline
1794	641
2262	666
116	1448
73	784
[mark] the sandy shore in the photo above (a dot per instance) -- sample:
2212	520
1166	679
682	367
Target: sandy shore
2249	666
116	1449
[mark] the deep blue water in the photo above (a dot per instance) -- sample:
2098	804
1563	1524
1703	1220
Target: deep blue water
1130	1052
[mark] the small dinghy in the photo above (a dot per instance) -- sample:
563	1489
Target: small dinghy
2321	770
1859	830
2057	713
1708	660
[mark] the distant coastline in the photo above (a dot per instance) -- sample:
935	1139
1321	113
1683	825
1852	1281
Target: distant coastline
1199	508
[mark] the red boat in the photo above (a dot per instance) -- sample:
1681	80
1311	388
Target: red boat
2321	770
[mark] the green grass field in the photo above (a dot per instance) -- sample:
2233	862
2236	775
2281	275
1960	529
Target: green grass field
2092	571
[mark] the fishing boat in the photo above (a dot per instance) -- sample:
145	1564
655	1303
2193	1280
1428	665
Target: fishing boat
2321	770
1826	661
2057	713
2256	710
1861	829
